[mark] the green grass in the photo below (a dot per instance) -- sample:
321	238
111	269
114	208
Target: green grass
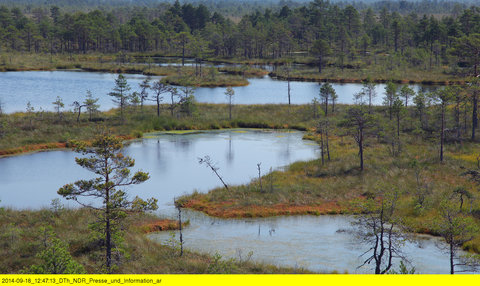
381	69
47	128
377	73
190	79
246	71
337	184
22	237
340	182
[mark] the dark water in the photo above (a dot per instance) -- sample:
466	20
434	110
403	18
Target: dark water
42	87
31	181
317	243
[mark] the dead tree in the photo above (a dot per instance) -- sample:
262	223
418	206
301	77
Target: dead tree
178	206
208	162
260	176
380	231
358	120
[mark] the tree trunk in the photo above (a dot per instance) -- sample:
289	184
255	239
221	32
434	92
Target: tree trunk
390	109
183	54
260	177
180	230
442	132
360	147
398	125
108	239
321	146
326	106
288	83
474	114
421	119
320	64
452	252
79	112
326	139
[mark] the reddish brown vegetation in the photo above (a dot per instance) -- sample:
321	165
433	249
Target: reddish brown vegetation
32	148
227	210
46	146
159	225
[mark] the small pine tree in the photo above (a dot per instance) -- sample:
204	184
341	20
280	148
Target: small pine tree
113	169
119	93
56	259
91	104
58	103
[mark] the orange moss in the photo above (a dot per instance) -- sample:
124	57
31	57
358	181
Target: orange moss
227	210
159	225
45	146
32	148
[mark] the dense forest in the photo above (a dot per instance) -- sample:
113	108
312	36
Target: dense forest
321	29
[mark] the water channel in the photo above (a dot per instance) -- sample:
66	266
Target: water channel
323	243
318	243
28	181
41	88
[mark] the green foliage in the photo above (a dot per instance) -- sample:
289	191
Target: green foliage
119	93
58	103
467	48
456	228
23	236
187	101
174	244
219	266
56	259
106	160
326	34
57	207
403	269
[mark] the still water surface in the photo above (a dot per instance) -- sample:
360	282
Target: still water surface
31	181
322	243
318	243
42	87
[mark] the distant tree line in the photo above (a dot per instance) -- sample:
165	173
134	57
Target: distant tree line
344	35
238	8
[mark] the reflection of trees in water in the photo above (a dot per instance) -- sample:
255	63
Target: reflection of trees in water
229	155
161	162
183	143
159	150
285	153
271	228
427	88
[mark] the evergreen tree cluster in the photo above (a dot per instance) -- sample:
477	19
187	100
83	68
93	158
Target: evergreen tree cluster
349	34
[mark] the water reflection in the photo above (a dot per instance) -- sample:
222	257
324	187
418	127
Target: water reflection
229	155
323	243
183	143
42	87
171	160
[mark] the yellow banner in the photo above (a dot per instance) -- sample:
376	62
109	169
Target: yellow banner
244	280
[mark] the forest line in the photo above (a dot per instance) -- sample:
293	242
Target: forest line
319	33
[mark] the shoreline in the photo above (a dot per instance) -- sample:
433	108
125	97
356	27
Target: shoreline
170	74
